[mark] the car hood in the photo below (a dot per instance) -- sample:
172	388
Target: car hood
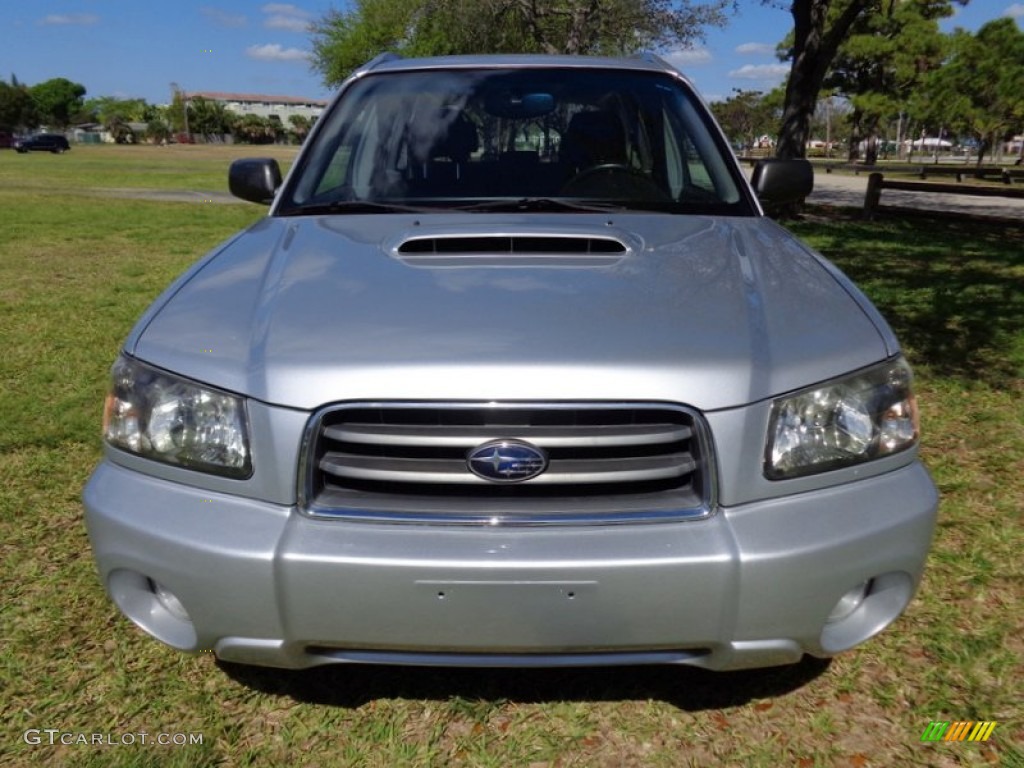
712	312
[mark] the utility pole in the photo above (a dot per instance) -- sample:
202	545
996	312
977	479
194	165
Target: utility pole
176	89
828	127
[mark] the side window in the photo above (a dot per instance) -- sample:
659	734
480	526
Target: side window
685	169
351	165
706	166
674	172
694	166
366	136
697	171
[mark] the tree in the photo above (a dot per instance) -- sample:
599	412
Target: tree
116	114
883	62
819	29
17	110
208	118
300	126
344	40
747	115
176	114
158	130
196	115
829	124
253	129
106	109
57	100
978	89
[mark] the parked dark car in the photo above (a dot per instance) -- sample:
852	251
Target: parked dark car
43	142
6	140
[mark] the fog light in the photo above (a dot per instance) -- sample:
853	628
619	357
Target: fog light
866	610
153	607
849	602
169	600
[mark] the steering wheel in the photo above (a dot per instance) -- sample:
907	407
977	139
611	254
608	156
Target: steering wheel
635	185
593	170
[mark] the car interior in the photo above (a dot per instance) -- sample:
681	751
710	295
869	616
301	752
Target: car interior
442	137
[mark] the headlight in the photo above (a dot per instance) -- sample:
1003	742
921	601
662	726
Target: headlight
163	417
861	417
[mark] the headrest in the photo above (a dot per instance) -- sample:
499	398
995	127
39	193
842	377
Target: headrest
458	141
593	138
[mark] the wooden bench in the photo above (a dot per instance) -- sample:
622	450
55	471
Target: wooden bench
995	172
856	168
941	170
1011	175
877	182
923	171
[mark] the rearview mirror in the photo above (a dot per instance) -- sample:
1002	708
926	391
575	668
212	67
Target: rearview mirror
255	179
778	182
518	105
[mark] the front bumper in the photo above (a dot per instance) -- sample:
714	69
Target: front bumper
753	585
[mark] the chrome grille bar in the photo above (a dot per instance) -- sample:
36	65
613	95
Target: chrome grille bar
420	462
579	471
546	437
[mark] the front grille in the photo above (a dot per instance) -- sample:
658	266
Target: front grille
605	463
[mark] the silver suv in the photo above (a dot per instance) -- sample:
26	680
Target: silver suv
515	372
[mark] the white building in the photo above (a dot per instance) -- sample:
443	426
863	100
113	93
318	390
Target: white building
928	143
282	107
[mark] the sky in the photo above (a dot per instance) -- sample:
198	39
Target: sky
138	48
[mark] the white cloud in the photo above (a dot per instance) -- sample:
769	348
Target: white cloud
291	23
285	8
63	19
688	57
760	72
755	49
223	18
275	52
287	16
1015	11
282	16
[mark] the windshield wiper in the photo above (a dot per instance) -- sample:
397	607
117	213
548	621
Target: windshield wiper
355	206
508	205
540	205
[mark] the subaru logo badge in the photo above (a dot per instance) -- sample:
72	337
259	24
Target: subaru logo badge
506	461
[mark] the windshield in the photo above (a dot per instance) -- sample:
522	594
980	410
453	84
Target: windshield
563	139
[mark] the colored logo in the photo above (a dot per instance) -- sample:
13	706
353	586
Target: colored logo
961	730
506	461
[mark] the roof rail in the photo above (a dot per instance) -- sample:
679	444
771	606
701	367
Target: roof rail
372	64
376	61
651	58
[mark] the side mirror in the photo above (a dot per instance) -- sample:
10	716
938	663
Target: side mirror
778	182
255	179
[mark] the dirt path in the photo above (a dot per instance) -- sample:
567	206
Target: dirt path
829	189
166	195
847	190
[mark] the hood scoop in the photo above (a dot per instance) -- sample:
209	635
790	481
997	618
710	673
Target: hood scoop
511	250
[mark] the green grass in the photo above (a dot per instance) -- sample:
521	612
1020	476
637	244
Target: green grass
76	271
88	167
